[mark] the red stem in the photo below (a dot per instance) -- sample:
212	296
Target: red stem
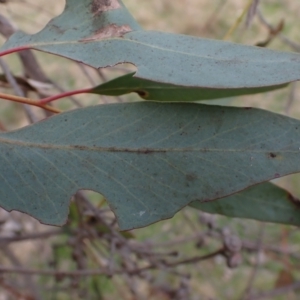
62	95
51	98
13	50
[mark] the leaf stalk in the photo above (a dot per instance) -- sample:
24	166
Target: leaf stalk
13	50
63	95
29	102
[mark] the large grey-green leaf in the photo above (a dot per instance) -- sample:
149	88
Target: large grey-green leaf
101	33
150	90
148	159
264	202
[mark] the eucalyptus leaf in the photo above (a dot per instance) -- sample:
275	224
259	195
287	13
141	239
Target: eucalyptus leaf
148	159
264	202
102	34
150	90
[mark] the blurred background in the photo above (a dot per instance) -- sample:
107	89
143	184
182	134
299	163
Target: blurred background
180	258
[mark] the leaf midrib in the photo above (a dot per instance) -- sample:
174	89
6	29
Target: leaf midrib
142	150
36	45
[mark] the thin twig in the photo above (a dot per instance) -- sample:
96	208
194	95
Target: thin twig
196	259
238	21
28	101
252	12
85	273
282	37
33	236
12	81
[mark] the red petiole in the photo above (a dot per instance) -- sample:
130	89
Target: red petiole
42	103
14	50
62	95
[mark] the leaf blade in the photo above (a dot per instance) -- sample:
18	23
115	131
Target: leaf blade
148	159
161	57
150	90
264	202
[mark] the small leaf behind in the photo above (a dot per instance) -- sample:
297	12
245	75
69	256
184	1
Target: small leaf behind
264	202
150	90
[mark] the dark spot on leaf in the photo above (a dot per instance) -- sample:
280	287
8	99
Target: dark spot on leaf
142	94
294	200
79	147
145	151
191	177
272	155
276	175
247	108
57	29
